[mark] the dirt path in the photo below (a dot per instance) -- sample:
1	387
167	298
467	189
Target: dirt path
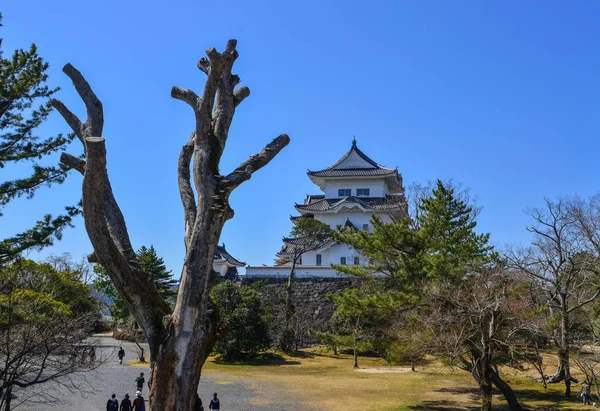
90	391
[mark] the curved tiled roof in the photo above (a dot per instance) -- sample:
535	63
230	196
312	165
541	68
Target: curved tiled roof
387	203
222	255
354	172
371	169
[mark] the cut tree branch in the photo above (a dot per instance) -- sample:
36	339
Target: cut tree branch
240	95
73	162
95	114
255	162
71	119
204	65
185	187
186	95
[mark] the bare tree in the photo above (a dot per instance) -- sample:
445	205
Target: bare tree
179	340
477	327
563	271
39	332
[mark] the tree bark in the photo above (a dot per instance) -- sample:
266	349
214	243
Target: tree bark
180	341
563	370
507	391
485	383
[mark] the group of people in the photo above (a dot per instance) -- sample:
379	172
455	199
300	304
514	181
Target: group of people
138	403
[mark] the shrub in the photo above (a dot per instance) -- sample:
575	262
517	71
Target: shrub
246	317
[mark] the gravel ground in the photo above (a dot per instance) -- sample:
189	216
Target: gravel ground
91	390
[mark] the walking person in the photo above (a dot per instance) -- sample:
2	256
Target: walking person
125	403
121	355
215	404
138	403
139	382
112	404
585	393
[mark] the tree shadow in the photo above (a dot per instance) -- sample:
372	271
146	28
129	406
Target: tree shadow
261	360
558	400
442	405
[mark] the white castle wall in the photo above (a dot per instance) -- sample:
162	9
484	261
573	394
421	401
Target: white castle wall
376	187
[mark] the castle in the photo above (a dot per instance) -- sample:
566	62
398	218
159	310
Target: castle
354	189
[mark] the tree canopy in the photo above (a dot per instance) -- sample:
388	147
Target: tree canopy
25	103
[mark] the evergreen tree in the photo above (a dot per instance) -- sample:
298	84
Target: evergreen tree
247	320
150	263
155	266
447	224
24	105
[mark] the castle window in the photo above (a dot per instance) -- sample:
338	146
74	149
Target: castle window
356	261
344	192
318	259
343	260
362	192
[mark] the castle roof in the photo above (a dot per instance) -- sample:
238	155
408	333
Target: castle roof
303	243
221	256
357	164
390	202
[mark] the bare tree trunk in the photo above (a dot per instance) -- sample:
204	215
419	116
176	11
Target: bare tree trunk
180	341
289	311
485	383
507	391
563	371
8	398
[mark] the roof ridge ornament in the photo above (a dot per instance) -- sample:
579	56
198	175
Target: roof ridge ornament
353	141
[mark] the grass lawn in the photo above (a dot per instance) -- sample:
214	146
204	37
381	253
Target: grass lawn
329	382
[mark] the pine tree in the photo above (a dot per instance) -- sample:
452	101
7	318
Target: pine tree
150	263
155	266
24	105
447	225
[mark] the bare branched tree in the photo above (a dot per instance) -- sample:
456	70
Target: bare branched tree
478	327
179	341
39	334
563	272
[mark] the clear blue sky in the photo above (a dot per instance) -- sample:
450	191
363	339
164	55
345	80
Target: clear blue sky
502	97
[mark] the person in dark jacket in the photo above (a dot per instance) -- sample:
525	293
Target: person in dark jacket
139	382
125	403
112	404
121	355
215	404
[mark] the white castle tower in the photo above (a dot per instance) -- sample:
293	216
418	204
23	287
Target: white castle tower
354	189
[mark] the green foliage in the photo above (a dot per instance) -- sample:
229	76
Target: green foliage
150	263
394	250
155	266
24	105
407	259
36	292
246	317
447	225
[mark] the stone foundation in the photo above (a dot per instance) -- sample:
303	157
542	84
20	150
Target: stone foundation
313	308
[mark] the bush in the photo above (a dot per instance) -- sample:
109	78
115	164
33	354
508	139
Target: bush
242	309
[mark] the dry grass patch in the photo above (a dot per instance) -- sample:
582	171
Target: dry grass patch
329	382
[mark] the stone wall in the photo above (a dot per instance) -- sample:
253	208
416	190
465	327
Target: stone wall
313	309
